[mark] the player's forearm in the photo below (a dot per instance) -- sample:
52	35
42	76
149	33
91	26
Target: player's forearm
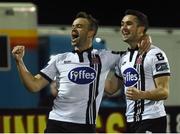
26	77
155	94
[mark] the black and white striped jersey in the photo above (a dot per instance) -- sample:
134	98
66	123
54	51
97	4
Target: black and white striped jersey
81	78
140	71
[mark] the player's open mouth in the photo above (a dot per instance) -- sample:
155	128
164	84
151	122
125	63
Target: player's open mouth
74	35
125	33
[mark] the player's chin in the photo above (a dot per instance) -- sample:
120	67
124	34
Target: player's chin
74	43
125	39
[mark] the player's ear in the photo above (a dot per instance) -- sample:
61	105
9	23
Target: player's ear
91	33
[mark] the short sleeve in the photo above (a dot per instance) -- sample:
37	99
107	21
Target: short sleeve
50	71
118	70
160	64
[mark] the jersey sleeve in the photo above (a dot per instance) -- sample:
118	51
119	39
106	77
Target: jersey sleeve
111	58
118	70
160	64
116	56
50	71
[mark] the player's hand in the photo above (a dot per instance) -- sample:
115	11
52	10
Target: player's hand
133	93
18	52
144	44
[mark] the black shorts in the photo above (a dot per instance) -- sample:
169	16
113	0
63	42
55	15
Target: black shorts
157	125
54	126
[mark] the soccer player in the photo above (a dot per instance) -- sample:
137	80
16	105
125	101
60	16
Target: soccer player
145	78
81	74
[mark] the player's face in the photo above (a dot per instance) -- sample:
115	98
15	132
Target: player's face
130	30
79	33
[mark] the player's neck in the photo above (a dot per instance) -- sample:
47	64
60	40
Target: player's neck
133	45
82	47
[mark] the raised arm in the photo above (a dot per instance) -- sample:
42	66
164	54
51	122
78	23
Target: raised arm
32	83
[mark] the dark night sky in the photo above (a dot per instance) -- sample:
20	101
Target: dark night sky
165	13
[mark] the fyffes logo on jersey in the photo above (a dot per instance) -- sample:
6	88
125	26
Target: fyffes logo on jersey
82	75
131	77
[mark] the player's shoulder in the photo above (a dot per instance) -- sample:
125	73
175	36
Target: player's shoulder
108	51
119	52
59	57
154	50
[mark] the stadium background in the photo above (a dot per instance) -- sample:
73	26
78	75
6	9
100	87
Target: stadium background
42	32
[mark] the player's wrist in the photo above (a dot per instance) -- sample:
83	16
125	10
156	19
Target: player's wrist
143	95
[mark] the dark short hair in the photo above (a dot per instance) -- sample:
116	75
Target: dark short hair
142	18
93	22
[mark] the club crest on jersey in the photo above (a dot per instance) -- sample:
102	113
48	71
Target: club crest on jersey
82	75
139	60
131	77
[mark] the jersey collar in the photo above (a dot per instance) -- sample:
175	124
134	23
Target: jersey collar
86	50
130	49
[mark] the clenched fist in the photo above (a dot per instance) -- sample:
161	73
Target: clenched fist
133	93
18	52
